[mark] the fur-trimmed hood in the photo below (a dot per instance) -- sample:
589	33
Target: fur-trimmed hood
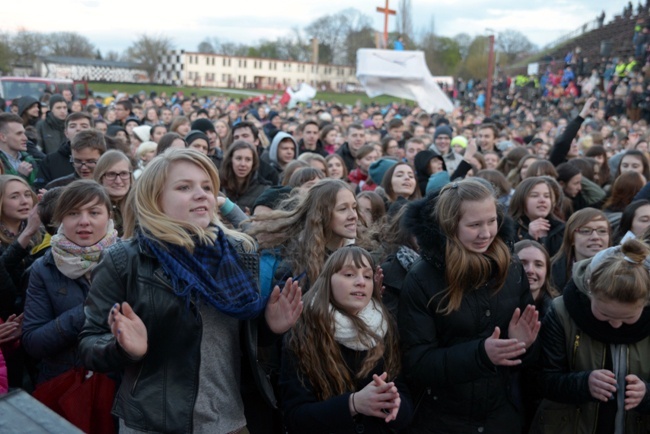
420	220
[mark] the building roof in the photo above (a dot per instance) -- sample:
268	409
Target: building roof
66	60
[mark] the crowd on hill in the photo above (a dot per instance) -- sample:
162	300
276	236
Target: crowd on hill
325	268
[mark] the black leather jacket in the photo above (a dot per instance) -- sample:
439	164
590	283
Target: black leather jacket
157	392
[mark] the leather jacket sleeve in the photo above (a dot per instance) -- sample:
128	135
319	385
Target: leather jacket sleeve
98	347
557	381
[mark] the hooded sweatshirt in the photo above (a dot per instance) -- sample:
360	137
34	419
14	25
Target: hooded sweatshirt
273	150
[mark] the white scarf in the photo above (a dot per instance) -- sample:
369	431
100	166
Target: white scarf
346	334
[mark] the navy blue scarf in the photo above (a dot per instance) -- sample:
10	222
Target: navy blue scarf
213	273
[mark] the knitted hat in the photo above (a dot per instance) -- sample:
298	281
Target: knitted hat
203	125
131	119
195	135
142	132
379	168
57	97
459	141
443	130
272	196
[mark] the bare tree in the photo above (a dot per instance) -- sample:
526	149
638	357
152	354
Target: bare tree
112	56
405	20
513	43
27	46
332	32
70	44
146	51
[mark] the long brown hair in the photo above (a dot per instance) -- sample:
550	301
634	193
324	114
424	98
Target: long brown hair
320	361
578	220
304	230
229	184
625	187
465	269
547	287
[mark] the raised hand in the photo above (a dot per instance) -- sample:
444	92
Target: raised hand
283	308
634	391
373	400
504	352
539	228
525	327
588	108
129	330
602	384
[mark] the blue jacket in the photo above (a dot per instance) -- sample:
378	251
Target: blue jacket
54	317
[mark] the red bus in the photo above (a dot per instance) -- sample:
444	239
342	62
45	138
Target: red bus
15	87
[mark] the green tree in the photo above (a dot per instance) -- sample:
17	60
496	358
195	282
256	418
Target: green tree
476	62
147	50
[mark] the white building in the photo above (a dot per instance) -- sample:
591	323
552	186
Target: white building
183	68
77	68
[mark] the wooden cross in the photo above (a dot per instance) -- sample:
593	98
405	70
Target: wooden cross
386	11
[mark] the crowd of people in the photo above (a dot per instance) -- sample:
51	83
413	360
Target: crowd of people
325	268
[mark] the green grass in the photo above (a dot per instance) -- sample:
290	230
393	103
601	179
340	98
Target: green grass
339	98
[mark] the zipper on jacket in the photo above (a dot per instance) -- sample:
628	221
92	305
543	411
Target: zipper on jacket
576	344
137	378
602	366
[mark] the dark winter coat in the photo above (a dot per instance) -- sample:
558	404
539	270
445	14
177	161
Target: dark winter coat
54	317
445	361
247	199
552	242
344	152
14	260
55	165
305	413
51	133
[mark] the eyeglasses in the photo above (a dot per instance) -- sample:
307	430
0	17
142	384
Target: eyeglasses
111	176
588	231
79	163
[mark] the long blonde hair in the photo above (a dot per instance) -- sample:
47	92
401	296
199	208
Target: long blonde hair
465	269
149	215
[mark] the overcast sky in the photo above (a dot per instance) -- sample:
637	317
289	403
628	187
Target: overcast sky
113	24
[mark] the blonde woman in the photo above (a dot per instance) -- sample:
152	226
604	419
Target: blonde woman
176	297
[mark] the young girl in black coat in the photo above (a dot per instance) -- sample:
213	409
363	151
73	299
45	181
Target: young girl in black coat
341	361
